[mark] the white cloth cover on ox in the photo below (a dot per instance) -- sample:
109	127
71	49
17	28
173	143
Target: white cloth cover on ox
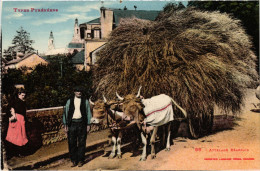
158	110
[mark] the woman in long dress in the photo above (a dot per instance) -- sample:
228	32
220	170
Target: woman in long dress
16	133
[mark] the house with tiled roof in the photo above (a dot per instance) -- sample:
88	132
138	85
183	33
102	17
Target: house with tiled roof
96	32
78	60
29	61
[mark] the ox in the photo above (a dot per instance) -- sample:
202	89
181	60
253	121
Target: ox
149	114
107	113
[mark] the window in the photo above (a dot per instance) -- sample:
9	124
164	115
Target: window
82	32
96	33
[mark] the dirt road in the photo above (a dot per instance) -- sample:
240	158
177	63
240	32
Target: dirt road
230	146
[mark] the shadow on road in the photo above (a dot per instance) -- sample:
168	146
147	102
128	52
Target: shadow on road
224	122
93	155
221	123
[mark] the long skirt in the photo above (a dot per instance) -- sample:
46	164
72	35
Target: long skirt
16	133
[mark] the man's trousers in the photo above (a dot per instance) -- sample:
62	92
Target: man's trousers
77	136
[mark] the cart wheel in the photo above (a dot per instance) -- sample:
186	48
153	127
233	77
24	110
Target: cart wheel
194	127
200	125
207	122
174	128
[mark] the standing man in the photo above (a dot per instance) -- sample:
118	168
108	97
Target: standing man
76	120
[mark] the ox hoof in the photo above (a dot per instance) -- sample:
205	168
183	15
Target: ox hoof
153	156
111	156
142	159
167	149
119	156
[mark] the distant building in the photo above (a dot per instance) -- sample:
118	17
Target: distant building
96	32
77	43
51	47
78	60
29	61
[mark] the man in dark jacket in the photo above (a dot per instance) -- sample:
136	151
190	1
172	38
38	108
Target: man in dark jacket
76	120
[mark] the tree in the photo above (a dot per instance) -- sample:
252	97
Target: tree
170	7
21	43
47	88
181	6
13	76
173	6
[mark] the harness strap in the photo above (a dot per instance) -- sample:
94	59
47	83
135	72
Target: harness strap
112	125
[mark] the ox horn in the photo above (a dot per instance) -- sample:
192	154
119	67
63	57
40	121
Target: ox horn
138	94
104	98
92	103
119	97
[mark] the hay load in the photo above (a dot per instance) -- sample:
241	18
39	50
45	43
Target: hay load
201	59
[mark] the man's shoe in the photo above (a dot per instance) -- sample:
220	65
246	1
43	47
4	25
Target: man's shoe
80	164
74	164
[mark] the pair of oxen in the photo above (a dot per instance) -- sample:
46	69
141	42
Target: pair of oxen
133	110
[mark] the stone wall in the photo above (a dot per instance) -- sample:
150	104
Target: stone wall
45	126
47	121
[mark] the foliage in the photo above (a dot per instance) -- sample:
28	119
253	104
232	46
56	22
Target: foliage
13	77
173	6
21	43
170	7
45	85
246	11
198	58
9	54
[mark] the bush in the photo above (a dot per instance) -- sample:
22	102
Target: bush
46	86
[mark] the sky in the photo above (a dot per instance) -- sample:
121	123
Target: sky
60	22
